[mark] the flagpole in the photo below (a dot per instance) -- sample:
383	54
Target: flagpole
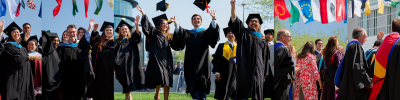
243	4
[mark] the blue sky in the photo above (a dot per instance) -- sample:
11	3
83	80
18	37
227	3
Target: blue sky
315	25
64	18
26	15
184	9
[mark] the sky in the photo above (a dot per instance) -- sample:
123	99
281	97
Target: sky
184	9
59	23
26	15
315	25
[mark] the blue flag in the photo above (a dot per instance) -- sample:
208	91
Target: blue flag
3	8
305	6
345	4
40	11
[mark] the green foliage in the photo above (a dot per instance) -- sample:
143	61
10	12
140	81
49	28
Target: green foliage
299	38
178	56
264	7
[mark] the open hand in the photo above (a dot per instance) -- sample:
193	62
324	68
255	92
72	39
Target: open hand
2	24
173	19
139	8
212	13
91	22
137	20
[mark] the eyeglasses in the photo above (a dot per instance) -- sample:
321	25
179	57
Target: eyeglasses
288	36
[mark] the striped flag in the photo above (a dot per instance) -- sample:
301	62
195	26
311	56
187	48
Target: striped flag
30	4
99	4
18	8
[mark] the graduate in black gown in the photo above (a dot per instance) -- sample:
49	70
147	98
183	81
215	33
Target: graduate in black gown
128	68
225	69
351	77
51	73
71	66
99	66
17	80
160	65
252	56
197	61
284	66
371	53
269	80
36	65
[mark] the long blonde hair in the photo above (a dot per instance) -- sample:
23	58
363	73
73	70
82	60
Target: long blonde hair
120	37
169	35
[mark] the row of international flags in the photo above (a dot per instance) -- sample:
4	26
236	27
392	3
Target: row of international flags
329	10
14	9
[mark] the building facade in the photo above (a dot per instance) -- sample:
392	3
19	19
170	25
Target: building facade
373	23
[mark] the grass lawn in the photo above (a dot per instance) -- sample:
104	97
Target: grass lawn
150	96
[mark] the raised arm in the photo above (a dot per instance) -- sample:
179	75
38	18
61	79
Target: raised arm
136	36
1	28
179	37
235	24
147	29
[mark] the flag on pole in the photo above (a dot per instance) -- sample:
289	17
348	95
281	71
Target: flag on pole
18	8
281	10
86	7
111	3
345	14
22	3
316	13
381	7
357	7
3	8
57	9
297	5
367	8
12	8
30	4
351	9
295	15
307	10
99	4
331	7
324	11
394	3
340	11
74	8
40	10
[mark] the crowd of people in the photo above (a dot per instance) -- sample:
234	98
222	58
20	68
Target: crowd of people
82	63
335	73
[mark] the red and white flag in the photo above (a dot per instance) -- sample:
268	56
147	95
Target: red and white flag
30	4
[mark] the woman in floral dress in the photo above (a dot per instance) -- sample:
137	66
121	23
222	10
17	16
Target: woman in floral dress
307	67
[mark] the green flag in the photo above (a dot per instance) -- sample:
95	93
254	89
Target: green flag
394	3
295	14
74	8
99	4
23	4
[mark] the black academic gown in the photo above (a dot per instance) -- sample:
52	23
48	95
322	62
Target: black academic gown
197	60
128	68
72	76
17	78
51	73
284	73
328	92
390	88
99	69
252	56
371	63
354	75
226	86
318	58
160	65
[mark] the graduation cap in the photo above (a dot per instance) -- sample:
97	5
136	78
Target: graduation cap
123	23
13	26
106	25
33	38
158	19
53	35
202	4
226	31
162	6
251	16
269	31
